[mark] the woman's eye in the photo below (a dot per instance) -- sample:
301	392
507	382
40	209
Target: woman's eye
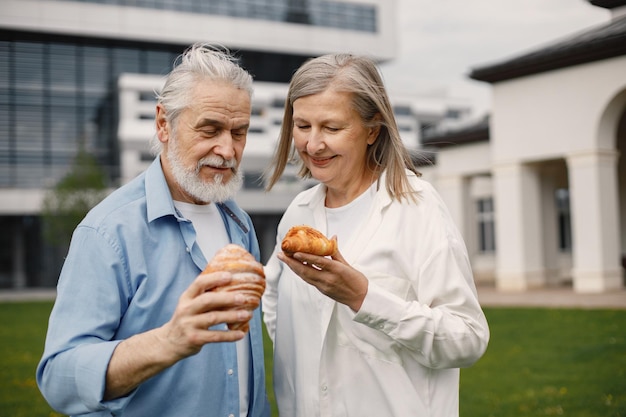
303	127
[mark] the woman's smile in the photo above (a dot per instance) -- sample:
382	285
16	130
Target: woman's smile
321	162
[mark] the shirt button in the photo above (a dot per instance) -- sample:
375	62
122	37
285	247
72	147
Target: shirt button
187	249
231	415
324	388
230	372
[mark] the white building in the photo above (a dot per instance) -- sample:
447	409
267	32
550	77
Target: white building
83	73
539	189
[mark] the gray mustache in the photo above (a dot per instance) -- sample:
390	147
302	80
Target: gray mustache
217	162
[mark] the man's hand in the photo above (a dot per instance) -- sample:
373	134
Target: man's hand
198	309
144	355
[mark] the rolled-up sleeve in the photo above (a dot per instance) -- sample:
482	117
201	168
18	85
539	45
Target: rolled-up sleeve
72	372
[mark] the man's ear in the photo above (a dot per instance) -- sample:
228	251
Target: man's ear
162	124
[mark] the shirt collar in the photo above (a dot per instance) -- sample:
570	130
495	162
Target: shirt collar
158	196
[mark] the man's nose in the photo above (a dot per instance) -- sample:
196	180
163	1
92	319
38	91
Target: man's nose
225	146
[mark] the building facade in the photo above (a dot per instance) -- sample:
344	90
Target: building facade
82	75
539	189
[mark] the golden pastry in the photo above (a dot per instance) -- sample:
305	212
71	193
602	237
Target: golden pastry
308	240
248	277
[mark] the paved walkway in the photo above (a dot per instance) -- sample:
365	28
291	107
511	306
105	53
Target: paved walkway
488	296
552	297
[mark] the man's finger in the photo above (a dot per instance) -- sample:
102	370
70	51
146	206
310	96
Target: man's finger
207	282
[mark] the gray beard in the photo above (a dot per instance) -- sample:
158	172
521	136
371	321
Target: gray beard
189	180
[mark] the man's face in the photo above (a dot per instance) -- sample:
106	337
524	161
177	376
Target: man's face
202	153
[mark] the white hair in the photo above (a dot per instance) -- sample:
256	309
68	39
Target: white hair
199	62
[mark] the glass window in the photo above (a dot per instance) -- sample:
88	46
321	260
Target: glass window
253	180
57	94
402	110
28	70
125	60
5	66
95	69
335	14
158	62
62	66
564	220
486	225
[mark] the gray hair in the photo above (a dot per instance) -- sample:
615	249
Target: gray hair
359	76
199	62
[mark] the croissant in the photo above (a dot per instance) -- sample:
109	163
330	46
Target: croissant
248	277
308	240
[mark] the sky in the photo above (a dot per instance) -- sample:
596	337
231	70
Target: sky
441	41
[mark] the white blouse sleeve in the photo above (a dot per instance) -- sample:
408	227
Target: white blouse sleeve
445	327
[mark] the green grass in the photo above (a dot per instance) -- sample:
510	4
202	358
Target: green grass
543	362
540	362
22	333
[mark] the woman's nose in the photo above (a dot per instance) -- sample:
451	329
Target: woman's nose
315	143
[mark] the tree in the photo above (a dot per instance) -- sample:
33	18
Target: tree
66	204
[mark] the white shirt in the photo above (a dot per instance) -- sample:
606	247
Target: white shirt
420	321
341	221
211	236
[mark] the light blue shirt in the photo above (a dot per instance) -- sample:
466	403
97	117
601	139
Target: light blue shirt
129	261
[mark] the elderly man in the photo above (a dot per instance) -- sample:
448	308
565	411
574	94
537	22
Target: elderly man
136	329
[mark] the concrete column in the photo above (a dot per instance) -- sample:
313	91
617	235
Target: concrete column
519	243
595	220
454	191
550	230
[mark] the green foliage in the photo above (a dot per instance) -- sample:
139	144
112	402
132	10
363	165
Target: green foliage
540	362
73	196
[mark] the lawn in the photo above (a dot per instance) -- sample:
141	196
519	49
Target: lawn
540	362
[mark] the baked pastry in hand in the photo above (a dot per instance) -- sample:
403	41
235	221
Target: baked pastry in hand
308	240
248	277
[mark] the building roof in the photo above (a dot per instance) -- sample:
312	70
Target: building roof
470	133
608	4
600	42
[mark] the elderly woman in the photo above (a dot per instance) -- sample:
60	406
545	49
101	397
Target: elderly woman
381	327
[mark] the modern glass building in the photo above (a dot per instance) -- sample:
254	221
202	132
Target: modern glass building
60	66
82	75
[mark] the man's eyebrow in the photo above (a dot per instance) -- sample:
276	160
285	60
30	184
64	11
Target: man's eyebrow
212	122
245	125
207	122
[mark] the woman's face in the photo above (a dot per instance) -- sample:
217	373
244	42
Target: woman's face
332	142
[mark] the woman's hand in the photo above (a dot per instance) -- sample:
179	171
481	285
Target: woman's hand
333	276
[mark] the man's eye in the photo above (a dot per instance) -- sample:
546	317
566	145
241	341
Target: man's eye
209	133
332	129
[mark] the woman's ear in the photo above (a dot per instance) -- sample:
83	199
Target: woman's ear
374	131
162	124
